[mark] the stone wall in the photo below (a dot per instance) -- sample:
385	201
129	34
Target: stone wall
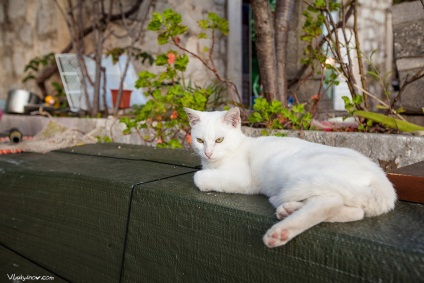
31	28
408	28
374	28
28	28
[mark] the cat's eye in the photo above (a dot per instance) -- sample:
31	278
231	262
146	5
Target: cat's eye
199	140
219	140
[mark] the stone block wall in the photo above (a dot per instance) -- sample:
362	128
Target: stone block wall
31	28
374	27
28	28
408	29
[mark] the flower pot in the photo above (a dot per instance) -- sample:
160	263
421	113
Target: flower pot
125	99
17	99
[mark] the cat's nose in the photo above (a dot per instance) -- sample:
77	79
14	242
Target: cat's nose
208	154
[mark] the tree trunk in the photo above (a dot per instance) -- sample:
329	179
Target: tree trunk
283	14
50	71
98	74
265	45
98	42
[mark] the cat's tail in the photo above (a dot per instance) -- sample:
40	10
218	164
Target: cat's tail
382	199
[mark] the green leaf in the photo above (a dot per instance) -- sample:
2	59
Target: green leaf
27	78
201	35
156	22
374	74
264	132
306	14
372	53
163	76
333	76
161	60
306	38
171	17
358	99
320	3
260	104
200	98
163	38
383	107
298	108
349	106
181	62
281	135
126	131
276	106
334	5
224	28
400	110
144	79
390	122
276	124
204	24
174	143
157	94
312	9
187	100
177	30
255	117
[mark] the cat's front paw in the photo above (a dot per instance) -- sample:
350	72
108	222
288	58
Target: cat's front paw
202	181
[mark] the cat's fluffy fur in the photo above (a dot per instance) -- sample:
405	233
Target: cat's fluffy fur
307	183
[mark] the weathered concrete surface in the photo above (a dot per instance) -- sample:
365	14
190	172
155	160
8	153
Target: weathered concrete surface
408	31
390	151
409	39
97	127
408	25
413	97
387	150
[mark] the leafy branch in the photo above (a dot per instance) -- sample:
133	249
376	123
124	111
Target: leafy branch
169	28
162	119
273	115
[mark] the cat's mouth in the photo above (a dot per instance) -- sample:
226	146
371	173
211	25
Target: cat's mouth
209	157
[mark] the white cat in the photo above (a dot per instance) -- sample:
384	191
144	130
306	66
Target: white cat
307	183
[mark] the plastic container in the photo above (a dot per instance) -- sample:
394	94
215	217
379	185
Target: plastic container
125	99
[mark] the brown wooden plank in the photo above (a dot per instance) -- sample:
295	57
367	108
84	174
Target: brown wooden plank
409	182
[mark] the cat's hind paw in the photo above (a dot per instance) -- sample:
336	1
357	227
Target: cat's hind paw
275	238
287	208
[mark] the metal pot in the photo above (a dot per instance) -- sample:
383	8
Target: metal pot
17	99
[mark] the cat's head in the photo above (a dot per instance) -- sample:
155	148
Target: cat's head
215	135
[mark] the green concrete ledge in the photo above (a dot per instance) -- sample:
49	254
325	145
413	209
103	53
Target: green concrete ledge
68	211
126	213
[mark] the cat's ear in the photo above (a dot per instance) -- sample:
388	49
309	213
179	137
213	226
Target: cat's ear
193	116
232	117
